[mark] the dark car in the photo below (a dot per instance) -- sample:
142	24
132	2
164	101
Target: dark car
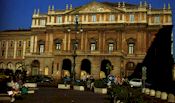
39	79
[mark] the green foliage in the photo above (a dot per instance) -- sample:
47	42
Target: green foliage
128	95
100	84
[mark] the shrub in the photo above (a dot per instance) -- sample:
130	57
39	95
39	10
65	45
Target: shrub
79	83
100	84
127	94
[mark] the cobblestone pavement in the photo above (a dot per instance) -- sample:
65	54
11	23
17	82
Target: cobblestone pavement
54	95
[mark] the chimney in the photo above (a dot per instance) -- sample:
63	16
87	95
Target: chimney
53	7
34	11
49	8
164	7
150	6
70	6
38	12
123	4
67	7
169	7
140	3
118	4
145	4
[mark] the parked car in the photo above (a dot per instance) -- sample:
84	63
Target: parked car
39	79
135	82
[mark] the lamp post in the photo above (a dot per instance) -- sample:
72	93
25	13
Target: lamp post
75	46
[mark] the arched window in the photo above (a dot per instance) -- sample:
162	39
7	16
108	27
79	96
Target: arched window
131	45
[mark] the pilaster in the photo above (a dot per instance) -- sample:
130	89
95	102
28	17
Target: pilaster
47	43
31	44
24	49
15	46
35	44
64	41
51	43
6	51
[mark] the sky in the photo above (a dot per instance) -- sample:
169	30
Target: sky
16	14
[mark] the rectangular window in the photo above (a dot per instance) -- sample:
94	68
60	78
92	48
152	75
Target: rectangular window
93	46
131	48
41	50
157	19
59	19
94	18
58	46
19	52
111	18
111	47
42	22
131	18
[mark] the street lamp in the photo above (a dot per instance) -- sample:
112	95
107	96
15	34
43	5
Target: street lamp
75	45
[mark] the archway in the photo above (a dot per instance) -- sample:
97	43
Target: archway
106	68
10	66
66	67
35	67
2	65
85	68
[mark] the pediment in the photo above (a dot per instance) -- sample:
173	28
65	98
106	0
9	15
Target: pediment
95	7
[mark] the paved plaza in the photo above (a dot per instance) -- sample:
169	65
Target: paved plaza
54	95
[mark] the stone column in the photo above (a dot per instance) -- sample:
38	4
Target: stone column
64	41
70	18
86	42
82	18
104	36
139	43
65	19
51	43
82	42
47	43
6	51
104	19
0	47
145	17
86	19
69	41
24	49
15	45
35	46
100	43
31	44
123	17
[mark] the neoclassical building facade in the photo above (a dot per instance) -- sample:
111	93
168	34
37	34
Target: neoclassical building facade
110	38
